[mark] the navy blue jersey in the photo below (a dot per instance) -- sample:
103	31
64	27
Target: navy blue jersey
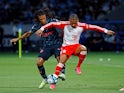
37	26
49	36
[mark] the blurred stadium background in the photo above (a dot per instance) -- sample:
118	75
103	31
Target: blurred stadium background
103	71
105	13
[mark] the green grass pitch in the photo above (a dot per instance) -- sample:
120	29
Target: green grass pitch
103	72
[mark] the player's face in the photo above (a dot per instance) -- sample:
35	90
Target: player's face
73	22
42	19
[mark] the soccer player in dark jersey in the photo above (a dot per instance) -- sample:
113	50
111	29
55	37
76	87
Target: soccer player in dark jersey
51	44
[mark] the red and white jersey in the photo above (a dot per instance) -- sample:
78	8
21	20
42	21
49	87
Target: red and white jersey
71	35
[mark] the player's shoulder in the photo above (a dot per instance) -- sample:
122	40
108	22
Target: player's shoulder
81	24
64	22
36	25
52	20
55	20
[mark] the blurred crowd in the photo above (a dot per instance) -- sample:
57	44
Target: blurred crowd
23	10
13	11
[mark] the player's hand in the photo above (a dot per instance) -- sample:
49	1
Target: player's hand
14	40
110	32
38	32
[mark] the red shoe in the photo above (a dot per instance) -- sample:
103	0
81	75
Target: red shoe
78	70
52	86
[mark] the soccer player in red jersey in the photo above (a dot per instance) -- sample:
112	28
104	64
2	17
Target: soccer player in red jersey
72	30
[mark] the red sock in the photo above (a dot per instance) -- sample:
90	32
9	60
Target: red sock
59	68
82	56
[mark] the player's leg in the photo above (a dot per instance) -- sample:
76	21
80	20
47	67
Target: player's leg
56	50
63	69
41	69
44	55
62	75
81	52
65	54
60	65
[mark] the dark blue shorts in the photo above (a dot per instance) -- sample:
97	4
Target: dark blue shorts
47	52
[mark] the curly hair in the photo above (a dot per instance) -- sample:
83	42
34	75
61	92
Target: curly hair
38	13
43	11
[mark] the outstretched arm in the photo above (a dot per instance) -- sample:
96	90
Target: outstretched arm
100	29
96	28
59	24
25	35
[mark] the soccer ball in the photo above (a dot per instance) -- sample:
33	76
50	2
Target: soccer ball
52	79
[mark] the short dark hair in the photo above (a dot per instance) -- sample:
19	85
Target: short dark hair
73	16
38	13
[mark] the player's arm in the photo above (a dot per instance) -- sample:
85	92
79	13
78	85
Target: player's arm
100	29
59	24
47	26
34	28
97	28
25	35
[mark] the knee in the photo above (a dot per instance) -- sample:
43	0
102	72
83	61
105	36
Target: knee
40	62
83	48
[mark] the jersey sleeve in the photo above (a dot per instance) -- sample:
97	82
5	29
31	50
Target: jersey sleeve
93	27
59	24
